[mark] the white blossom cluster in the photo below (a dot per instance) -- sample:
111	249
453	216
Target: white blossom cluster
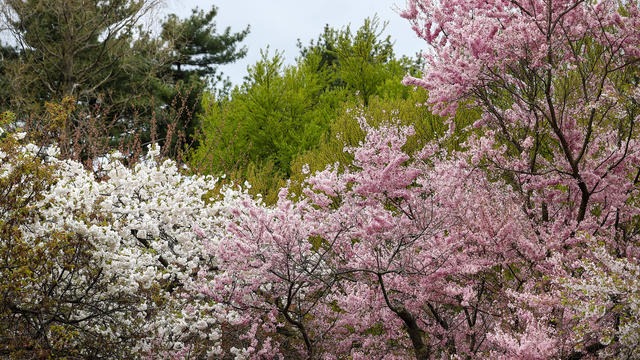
608	290
149	228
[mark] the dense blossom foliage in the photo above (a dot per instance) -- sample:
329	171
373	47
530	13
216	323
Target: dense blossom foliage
522	244
557	83
395	256
428	256
105	267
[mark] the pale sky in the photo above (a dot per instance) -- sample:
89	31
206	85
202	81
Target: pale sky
279	23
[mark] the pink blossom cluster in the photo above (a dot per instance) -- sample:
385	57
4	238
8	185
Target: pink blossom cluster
426	255
496	251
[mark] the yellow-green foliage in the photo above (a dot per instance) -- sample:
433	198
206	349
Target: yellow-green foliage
283	117
277	113
23	178
346	131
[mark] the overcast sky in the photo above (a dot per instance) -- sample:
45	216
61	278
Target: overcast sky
279	23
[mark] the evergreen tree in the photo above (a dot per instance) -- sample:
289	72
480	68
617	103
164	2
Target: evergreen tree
7	54
81	49
122	78
281	112
196	47
195	51
362	61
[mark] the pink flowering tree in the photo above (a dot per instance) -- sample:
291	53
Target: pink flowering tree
427	241
395	256
425	256
557	83
522	246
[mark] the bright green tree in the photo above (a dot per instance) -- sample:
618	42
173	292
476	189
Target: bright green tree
278	112
363	61
281	111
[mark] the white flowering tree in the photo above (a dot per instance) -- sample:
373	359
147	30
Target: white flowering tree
105	267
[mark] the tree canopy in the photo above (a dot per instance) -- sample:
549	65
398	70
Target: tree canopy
506	225
196	47
117	71
79	49
281	112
